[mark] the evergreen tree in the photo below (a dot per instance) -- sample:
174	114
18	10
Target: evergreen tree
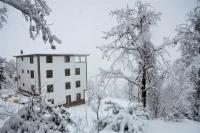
2	77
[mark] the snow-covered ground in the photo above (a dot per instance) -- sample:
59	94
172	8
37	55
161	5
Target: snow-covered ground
160	126
84	116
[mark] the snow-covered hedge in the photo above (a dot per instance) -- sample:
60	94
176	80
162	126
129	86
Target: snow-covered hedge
130	119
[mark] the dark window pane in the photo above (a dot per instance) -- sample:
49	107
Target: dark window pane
28	71
78	84
31	59
68	99
22	70
22	58
49	73
67	72
49	59
77	71
32	86
78	96
23	84
32	74
67	58
67	85
49	88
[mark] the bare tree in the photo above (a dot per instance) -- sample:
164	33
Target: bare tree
97	90
34	12
135	57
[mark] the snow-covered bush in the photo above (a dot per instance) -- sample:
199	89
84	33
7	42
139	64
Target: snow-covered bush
130	119
38	117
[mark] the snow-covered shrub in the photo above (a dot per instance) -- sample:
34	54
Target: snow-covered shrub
130	119
38	117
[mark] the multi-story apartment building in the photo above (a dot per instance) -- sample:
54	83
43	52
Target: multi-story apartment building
59	78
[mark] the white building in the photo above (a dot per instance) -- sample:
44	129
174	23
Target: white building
59	78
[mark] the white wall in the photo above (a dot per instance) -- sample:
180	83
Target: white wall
58	66
25	77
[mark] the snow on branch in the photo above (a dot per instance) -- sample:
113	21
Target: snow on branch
116	74
34	12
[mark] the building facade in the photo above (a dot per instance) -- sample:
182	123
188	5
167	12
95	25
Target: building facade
59	78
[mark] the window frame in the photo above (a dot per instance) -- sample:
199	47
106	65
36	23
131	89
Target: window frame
67	58
31	60
32	87
68	71
78	96
67	84
50	88
77	71
78	83
32	74
49	59
70	99
49	73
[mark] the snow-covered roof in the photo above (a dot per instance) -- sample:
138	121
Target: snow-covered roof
52	54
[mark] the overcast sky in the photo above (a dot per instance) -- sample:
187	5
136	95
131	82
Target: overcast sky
80	23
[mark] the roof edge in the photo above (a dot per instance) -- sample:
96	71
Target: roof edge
24	55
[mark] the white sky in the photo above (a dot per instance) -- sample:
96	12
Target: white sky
80	23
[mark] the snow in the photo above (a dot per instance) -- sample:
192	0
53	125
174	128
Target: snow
160	126
84	116
152	126
8	104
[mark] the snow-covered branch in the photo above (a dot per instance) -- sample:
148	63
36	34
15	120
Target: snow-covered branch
34	12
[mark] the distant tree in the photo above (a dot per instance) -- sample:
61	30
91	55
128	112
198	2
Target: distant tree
188	40
135	57
10	68
2	76
97	89
34	12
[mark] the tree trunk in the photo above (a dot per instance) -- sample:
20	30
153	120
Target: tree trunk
144	93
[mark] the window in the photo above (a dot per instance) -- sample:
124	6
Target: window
49	73
78	84
22	70
67	85
49	88
83	59
31	59
32	87
68	99
77	59
67	58
51	101
49	59
67	72
19	77
78	96
23	84
28	71
22	58
77	71
32	74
